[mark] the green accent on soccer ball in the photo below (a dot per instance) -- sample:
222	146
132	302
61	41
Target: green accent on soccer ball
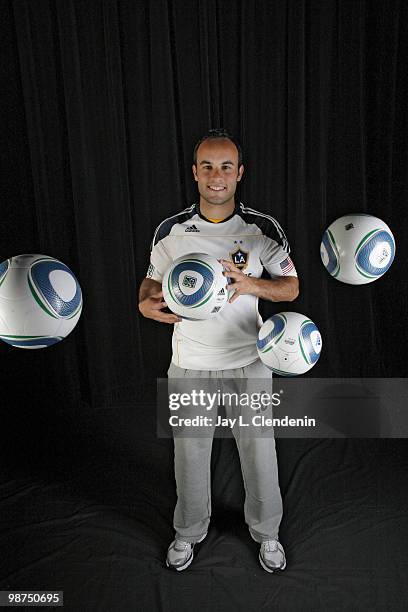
282	372
303	353
275	342
169	287
75	313
202	303
364	239
38	300
336	272
362	273
44	259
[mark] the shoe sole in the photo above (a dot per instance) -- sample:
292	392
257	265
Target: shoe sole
269	569
181	567
189	560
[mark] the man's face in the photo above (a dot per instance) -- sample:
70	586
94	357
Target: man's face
217	171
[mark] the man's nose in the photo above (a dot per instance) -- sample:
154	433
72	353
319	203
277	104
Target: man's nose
215	173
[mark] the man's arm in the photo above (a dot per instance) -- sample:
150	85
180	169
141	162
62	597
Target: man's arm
151	302
283	289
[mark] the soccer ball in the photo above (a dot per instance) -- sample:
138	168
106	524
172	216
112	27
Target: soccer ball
357	249
289	343
194	287
40	301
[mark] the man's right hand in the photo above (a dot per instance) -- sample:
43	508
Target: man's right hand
151	308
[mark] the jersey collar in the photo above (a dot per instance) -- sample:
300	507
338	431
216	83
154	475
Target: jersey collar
234	212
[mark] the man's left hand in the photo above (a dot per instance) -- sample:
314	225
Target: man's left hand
242	284
282	289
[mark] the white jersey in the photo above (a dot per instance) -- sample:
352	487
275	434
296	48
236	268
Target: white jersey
250	239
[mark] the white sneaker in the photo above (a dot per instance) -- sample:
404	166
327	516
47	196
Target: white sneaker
180	554
272	556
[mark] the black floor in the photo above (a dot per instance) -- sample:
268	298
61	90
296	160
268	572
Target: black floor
86	504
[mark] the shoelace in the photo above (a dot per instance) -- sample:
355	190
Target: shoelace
180	545
271	545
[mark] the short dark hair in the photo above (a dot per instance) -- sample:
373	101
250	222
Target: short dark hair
218	133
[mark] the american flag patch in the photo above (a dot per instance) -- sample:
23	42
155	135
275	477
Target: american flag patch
286	266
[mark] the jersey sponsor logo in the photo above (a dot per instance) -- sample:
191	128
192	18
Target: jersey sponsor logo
240	258
286	266
150	271
191	228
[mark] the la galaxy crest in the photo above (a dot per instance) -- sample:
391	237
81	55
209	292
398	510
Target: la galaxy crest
240	258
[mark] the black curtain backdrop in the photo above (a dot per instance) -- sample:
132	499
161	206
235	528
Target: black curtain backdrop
102	103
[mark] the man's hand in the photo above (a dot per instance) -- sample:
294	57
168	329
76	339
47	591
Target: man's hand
282	289
243	284
151	303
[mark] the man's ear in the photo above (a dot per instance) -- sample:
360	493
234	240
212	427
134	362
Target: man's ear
240	172
194	169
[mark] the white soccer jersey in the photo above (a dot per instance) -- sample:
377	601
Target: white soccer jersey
250	239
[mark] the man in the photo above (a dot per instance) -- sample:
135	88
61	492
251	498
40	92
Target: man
245	241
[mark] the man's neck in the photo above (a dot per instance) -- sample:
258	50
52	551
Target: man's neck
212	211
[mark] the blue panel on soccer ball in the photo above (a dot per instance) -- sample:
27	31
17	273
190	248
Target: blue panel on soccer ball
279	324
363	256
331	254
306	332
194	298
4	265
31	342
40	274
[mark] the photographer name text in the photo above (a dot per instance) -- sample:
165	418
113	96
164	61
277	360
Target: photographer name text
257	420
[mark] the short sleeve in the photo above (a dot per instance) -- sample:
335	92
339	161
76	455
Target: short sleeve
160	261
275	258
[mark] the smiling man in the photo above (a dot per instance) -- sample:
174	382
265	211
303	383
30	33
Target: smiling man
246	241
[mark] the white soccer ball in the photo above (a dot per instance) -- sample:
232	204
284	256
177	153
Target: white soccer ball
289	343
40	301
194	287
357	249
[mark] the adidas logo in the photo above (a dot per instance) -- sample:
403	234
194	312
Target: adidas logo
191	228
